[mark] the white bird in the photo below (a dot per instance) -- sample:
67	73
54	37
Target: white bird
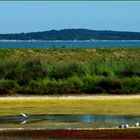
137	124
122	125
126	125
24	115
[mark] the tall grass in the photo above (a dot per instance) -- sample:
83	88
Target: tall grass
64	71
38	76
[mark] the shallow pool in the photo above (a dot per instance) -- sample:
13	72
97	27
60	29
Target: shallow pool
58	121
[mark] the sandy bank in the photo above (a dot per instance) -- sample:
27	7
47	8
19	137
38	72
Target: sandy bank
71	97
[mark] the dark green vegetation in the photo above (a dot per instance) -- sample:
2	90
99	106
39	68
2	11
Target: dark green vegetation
69	70
73	34
132	134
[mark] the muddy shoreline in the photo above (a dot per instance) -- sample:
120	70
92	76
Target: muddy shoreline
131	133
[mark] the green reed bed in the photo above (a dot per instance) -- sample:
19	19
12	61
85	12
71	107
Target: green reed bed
69	70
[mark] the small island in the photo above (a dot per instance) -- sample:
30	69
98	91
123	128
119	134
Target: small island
72	35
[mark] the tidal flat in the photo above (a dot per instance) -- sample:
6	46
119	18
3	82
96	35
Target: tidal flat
108	104
70	134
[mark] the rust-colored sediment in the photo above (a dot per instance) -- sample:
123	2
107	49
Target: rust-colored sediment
75	134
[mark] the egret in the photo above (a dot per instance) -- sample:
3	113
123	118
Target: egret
23	115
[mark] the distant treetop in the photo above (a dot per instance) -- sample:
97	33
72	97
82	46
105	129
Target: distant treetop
73	34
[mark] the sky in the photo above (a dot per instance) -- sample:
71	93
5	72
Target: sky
32	16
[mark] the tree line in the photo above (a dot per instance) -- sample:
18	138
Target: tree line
73	34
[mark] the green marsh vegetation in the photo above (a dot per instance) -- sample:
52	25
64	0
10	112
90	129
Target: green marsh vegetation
48	71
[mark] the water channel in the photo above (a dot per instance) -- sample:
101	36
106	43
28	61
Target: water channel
64	121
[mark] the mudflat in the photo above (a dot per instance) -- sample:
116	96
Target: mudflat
72	134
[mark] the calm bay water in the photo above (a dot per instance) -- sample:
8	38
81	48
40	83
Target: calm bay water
69	44
57	121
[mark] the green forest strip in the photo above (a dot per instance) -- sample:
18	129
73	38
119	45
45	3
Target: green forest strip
72	105
72	34
51	71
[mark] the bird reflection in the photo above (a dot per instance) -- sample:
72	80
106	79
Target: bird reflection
28	121
23	122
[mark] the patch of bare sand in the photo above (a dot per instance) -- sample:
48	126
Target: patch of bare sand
70	97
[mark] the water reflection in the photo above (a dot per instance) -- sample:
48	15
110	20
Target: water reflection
85	120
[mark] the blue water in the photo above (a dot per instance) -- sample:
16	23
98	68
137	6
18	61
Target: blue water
70	44
73	121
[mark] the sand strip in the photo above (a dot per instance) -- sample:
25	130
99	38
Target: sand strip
71	97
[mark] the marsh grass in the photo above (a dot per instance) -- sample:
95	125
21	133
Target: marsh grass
70	70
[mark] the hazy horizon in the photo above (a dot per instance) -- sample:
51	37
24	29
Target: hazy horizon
35	16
